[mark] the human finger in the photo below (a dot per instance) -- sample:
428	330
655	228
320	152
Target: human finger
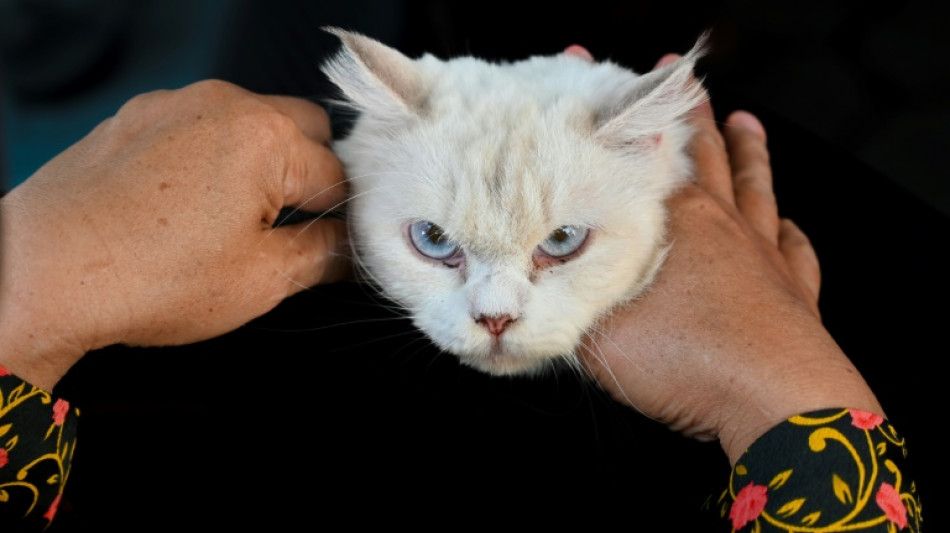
707	146
311	118
666	60
314	178
708	150
311	252
802	260
579	51
752	173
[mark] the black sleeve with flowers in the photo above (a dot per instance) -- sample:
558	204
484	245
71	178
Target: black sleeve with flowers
37	441
825	471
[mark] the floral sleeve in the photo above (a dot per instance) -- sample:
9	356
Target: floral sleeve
37	441
825	471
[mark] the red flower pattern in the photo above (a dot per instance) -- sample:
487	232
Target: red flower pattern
53	507
890	501
865	420
4	372
4	457
60	408
748	505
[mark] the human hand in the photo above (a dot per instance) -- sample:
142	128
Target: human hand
728	341
156	228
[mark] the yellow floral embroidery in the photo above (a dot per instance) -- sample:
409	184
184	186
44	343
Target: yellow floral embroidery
861	456
37	441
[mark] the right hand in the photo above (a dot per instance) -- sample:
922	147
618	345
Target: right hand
728	341
156	228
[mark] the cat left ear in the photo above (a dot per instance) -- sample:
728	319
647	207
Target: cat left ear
654	102
375	77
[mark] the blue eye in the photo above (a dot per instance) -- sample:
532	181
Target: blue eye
564	241
431	240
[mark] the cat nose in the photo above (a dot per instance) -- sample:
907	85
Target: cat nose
495	325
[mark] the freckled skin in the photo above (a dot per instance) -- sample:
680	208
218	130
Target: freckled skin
157	164
688	351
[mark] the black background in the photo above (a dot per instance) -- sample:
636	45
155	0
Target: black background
331	407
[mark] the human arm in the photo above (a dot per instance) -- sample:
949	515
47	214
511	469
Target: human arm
156	228
728	341
728	345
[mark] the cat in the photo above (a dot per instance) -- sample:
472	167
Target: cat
509	206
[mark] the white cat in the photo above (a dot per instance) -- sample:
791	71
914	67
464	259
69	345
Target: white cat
509	206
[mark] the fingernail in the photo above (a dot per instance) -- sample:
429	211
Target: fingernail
579	51
744	119
666	60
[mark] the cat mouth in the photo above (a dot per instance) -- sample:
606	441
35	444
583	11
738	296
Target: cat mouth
497	349
501	360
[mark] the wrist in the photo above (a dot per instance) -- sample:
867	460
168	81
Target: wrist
834	383
45	314
37	357
37	343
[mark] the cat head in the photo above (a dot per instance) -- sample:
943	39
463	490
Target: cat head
508	206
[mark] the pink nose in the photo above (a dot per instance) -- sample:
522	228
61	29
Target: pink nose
495	325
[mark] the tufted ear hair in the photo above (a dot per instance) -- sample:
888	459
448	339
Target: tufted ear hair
375	77
653	102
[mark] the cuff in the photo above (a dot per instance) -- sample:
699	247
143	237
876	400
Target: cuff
37	441
828	470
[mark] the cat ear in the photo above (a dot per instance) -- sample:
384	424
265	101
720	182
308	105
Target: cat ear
653	102
375	77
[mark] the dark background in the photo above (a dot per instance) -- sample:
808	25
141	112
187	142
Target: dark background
330	403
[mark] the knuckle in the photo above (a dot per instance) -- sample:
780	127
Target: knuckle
758	198
755	175
142	102
793	234
760	153
694	201
707	138
209	88
281	125
272	129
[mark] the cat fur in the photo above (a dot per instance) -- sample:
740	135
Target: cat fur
499	155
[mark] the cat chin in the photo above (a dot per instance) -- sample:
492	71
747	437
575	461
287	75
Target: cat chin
502	364
501	360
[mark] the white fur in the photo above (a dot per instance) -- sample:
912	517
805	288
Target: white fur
499	156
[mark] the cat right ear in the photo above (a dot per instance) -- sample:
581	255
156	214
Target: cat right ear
654	101
375	78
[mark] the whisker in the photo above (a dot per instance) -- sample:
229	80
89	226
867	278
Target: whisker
379	339
334	325
598	353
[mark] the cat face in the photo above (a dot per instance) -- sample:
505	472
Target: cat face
507	207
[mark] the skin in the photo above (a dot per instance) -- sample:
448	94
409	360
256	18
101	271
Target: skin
155	229
728	342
